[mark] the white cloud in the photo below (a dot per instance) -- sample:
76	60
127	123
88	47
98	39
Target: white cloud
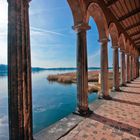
40	11
94	59
4	121
41	31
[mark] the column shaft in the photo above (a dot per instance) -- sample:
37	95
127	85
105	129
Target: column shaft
104	68
19	72
123	67
82	71
134	61
132	69
138	67
115	69
128	68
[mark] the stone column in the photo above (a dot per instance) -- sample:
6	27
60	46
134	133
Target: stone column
130	65
19	71
115	69
82	69
138	66
128	68
123	68
135	65
132	68
104	69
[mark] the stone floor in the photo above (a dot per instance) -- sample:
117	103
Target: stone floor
118	119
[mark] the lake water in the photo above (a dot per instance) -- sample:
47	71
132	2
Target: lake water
51	102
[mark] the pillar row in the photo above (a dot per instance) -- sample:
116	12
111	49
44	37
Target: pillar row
115	69
19	71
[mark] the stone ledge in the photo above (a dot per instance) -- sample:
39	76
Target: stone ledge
59	129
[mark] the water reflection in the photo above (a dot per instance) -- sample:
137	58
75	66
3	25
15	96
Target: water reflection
51	101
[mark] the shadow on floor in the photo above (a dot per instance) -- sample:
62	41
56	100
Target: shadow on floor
137	83
126	102
121	127
131	86
130	92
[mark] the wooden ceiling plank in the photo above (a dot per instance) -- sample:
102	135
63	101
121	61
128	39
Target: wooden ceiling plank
111	2
124	7
136	39
132	13
131	35
132	26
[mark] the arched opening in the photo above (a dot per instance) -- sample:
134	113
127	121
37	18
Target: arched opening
53	47
97	14
93	55
122	59
115	59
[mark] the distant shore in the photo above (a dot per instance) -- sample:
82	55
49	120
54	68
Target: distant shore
93	79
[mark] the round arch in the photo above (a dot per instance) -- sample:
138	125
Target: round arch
95	11
122	41
114	34
127	45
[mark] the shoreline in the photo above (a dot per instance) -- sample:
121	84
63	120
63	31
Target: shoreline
70	78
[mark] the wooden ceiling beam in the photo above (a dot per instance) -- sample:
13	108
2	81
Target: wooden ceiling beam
111	2
137	41
130	14
132	26
138	38
134	34
138	44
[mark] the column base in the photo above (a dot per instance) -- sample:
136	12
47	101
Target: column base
83	113
123	85
100	97
115	89
107	97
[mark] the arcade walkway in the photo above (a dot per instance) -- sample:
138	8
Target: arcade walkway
117	119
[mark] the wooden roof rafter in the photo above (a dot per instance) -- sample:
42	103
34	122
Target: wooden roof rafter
137	41
138	38
134	34
111	2
132	26
138	44
130	14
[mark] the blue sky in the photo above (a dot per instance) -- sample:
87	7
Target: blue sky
53	42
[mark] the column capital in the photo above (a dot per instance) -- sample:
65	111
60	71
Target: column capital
103	40
122	50
81	27
115	47
127	53
13	2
